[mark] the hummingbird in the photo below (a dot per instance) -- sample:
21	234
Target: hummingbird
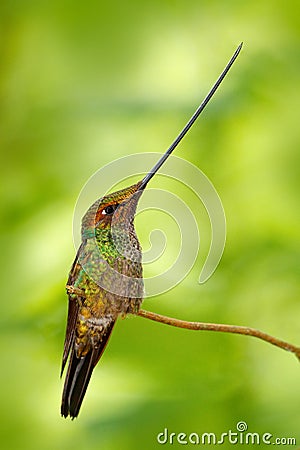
106	278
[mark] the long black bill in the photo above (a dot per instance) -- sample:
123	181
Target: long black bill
193	119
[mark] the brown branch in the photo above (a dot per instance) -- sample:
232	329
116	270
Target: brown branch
222	328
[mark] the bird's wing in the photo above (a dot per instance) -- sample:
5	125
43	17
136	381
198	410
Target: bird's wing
80	367
73	306
79	373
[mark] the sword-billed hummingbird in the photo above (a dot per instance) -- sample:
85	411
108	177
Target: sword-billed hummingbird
106	278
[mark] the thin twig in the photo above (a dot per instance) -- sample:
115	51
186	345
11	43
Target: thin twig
222	328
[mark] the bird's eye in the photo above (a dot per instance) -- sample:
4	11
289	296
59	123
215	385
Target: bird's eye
109	210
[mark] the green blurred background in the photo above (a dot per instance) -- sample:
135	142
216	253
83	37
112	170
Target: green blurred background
83	83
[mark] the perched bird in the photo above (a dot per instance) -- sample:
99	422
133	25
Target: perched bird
95	283
106	278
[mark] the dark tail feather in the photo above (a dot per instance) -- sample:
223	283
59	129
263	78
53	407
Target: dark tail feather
78	377
77	380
